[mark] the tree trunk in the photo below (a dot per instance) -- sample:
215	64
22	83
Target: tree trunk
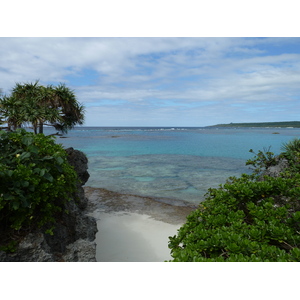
34	126
41	127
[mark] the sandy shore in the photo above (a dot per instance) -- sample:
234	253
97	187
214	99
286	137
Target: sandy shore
133	228
132	237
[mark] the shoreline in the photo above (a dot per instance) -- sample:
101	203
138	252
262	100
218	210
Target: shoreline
160	209
133	228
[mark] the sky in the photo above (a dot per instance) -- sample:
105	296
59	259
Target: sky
159	63
163	81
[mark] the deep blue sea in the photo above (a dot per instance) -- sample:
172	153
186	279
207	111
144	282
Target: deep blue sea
173	163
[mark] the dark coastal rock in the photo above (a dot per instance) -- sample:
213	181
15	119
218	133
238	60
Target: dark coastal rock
75	231
33	248
79	161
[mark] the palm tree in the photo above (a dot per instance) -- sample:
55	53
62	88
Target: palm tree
40	105
11	111
63	100
291	147
24	99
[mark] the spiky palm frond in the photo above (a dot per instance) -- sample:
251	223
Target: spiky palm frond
11	110
291	146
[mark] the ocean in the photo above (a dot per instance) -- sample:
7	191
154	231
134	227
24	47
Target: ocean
170	164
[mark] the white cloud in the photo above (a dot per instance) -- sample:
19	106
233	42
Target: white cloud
160	77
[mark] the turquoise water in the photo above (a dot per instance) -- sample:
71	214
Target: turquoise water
174	163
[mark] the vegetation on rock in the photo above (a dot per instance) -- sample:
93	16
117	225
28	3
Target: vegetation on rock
35	182
254	218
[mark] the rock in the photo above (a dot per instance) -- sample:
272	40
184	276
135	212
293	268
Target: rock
80	251
32	248
274	171
79	161
75	231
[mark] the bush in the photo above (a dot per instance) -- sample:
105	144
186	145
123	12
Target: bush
246	219
35	181
261	161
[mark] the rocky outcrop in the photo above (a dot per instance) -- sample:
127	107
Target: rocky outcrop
275	170
74	234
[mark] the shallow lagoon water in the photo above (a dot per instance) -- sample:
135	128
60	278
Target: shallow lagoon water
173	163
181	177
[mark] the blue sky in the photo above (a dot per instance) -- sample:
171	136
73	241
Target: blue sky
162	81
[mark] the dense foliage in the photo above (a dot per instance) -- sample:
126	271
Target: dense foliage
252	218
35	182
38	105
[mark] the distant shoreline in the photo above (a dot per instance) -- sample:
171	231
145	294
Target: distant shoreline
288	124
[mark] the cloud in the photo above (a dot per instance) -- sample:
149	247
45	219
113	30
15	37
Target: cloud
168	80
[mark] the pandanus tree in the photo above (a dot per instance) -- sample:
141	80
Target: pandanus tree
40	105
11	112
69	111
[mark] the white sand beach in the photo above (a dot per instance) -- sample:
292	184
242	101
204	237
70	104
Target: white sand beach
132	237
132	228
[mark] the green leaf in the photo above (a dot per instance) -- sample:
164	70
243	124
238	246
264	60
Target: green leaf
15	205
25	183
27	140
48	176
37	170
33	149
25	155
10	172
59	160
47	157
8	197
42	172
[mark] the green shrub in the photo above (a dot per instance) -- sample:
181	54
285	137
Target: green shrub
261	160
246	219
35	181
